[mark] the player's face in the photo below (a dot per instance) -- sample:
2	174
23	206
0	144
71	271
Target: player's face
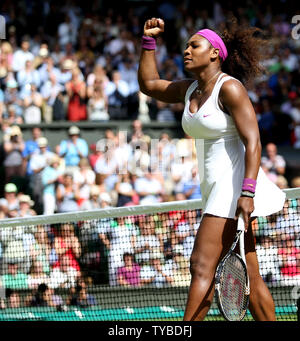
197	53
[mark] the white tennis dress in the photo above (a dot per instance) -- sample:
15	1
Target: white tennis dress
221	154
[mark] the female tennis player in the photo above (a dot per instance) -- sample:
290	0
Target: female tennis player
219	115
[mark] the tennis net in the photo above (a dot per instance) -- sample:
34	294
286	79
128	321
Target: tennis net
129	263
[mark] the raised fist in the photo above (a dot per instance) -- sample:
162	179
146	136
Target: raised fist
154	27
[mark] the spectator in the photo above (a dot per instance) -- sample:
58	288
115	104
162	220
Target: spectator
94	201
36	275
156	274
10	202
32	103
67	247
179	267
97	107
84	177
14	279
39	161
272	162
22	55
28	75
44	297
117	91
148	189
13	148
122	233
129	274
147	240
51	92
76	91
40	250
12	115
191	188
73	149
50	177
25	204
268	257
125	191
12	298
67	195
31	146
79	297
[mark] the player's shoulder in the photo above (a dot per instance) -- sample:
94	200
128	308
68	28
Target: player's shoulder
232	88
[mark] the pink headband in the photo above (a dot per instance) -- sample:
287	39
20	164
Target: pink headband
215	40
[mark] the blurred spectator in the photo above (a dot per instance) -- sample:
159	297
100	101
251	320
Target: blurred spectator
191	188
79	297
13	278
12	298
157	273
67	194
22	55
12	115
67	247
179	267
28	76
73	149
148	188
13	149
117	91
44	297
84	177
25	204
31	146
125	191
50	177
268	258
76	91
118	238
129	274
32	103
38	162
272	162
94	201
147	240
51	91
97	106
10	202
37	275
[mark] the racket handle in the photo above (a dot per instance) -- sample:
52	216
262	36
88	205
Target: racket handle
241	223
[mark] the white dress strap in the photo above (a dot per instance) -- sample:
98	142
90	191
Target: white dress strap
217	88
190	90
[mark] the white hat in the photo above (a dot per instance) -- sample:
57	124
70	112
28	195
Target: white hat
42	142
74	130
68	64
105	197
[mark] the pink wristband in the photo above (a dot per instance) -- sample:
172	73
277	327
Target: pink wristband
249	185
148	43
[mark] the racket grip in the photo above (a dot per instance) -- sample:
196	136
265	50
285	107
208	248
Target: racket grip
241	223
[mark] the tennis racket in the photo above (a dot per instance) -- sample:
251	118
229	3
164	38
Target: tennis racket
232	281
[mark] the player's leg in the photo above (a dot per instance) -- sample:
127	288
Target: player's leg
214	238
261	304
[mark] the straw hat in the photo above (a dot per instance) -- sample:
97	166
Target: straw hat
26	198
74	130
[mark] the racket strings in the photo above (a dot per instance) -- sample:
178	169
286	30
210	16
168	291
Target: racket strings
232	290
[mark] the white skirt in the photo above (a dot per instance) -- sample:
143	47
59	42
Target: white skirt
221	165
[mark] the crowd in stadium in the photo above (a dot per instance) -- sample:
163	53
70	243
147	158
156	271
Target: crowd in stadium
80	64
